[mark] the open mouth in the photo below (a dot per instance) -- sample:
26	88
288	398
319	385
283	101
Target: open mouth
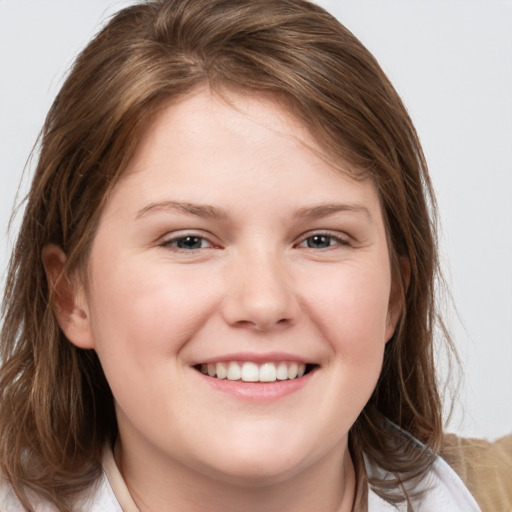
253	372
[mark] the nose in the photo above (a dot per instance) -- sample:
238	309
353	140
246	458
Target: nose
259	293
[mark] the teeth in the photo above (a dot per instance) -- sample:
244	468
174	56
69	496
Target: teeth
268	372
282	372
252	372
234	372
292	370
222	371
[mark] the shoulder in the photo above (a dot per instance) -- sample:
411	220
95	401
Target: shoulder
438	489
9	502
485	468
98	498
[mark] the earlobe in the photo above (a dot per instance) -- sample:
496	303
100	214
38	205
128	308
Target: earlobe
67	298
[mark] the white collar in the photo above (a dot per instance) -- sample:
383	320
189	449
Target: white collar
117	483
443	491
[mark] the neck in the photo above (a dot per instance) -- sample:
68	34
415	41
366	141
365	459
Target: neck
328	485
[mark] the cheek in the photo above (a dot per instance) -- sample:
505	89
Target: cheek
350	306
142	311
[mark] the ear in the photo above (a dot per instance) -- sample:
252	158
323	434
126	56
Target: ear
397	297
67	298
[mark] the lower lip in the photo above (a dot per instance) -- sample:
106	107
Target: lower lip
257	391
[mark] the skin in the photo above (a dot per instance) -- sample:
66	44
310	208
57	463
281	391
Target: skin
258	282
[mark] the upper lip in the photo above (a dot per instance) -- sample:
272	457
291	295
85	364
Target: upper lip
268	357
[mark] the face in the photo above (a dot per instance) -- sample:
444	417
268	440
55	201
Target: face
238	293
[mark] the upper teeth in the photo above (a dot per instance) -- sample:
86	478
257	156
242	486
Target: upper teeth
253	372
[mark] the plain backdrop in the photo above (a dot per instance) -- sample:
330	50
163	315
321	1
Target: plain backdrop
451	61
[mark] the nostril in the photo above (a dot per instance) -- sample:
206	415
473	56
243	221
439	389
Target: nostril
263	324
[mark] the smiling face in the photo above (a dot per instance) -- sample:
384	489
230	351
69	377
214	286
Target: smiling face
238	294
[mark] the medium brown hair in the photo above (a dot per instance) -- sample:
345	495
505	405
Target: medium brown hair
57	410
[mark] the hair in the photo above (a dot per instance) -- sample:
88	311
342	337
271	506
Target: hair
57	410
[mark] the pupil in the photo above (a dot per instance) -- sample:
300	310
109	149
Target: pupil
318	241
189	242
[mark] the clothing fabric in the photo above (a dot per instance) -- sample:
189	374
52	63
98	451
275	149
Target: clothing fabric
443	491
485	468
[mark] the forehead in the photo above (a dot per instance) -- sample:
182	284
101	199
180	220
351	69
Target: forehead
184	119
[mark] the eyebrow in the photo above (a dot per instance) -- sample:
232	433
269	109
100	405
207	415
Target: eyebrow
324	210
199	210
214	212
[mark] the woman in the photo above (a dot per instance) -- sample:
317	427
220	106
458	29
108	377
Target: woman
222	292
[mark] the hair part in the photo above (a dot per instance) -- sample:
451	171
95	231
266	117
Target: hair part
57	410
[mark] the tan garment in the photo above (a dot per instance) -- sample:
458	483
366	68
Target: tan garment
485	468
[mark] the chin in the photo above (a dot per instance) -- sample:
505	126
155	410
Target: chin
256	465
251	474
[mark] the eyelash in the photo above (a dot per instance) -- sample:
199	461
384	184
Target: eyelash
172	244
333	238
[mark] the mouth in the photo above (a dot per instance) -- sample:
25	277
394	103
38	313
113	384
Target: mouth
248	371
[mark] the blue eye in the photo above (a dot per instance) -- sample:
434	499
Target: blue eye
188	243
322	241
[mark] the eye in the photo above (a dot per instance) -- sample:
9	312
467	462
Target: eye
322	241
187	243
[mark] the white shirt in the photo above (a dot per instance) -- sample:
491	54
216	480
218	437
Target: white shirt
445	492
